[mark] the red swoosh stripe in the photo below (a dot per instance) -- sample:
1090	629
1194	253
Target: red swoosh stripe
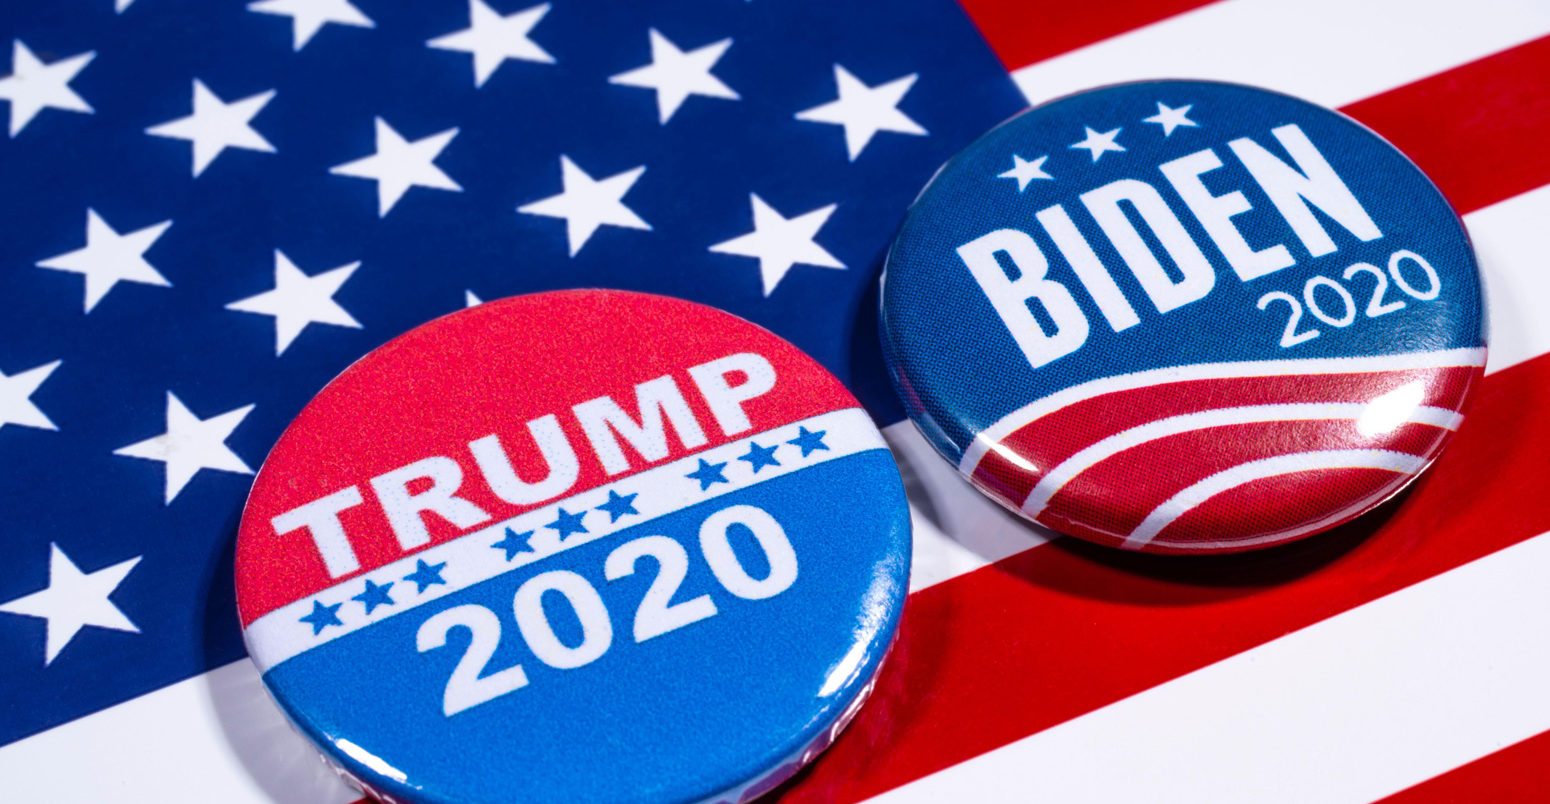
1047	441
1153	472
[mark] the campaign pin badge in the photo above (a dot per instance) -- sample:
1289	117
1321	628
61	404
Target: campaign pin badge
1184	316
575	546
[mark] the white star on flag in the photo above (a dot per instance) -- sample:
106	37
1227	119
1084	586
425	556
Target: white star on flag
216	125
779	242
16	390
309	16
492	38
864	110
675	74
1097	143
587	203
73	600
1170	118
109	258
191	444
1024	171
34	86
400	164
298	300
470	299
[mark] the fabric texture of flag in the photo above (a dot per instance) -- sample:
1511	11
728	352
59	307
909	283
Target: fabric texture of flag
216	207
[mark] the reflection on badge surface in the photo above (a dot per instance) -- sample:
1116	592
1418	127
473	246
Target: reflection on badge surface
1184	316
582	546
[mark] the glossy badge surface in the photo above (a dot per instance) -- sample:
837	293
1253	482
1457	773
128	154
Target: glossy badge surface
1184	316
575	546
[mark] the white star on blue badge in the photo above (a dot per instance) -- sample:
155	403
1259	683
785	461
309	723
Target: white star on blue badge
1170	118
1097	144
1025	171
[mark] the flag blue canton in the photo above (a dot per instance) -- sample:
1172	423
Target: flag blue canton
217	207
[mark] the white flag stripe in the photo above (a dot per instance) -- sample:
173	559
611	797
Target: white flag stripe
1331	52
1351	709
214	737
1509	240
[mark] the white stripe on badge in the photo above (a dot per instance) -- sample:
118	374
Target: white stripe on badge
1330	52
470	559
1354	708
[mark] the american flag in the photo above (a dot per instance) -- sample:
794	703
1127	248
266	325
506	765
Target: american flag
218	206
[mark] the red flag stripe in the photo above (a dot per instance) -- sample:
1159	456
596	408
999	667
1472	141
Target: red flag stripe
1473	129
1519	772
1062	629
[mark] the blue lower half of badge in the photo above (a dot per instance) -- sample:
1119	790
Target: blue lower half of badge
684	659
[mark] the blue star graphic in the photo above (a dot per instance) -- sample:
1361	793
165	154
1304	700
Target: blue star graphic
425	575
618	505
709	473
375	595
322	616
514	543
760	457
567	523
810	441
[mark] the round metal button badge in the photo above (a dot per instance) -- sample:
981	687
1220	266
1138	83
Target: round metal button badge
575	546
1184	316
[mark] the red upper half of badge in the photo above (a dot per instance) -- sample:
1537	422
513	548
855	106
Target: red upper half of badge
481	415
